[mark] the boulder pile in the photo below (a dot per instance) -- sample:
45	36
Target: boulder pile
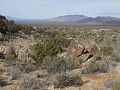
83	50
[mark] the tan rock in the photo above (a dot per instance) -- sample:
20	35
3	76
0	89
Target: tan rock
82	51
90	47
23	54
85	57
9	50
75	49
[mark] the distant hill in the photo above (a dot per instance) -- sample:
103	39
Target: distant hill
100	20
68	18
75	19
14	18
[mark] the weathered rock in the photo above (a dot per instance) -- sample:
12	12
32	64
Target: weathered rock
75	49
23	54
17	48
9	50
90	47
85	57
82	51
6	49
30	60
2	48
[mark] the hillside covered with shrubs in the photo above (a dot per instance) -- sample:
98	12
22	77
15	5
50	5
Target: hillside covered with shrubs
52	57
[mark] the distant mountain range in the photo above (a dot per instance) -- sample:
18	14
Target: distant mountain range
71	19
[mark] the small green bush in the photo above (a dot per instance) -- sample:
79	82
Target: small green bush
28	68
65	79
116	85
107	50
26	29
51	47
9	57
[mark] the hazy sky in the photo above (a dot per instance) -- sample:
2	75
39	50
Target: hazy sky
53	8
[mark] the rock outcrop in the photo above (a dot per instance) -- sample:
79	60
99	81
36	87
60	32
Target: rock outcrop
20	48
83	50
4	49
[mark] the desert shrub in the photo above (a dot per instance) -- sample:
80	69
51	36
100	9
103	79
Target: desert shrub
115	57
98	57
9	57
26	68
99	39
107	50
11	63
108	83
103	66
26	29
2	70
65	79
98	66
3	26
116	85
92	66
26	83
16	74
55	65
13	28
51	47
99	88
8	26
2	82
39	85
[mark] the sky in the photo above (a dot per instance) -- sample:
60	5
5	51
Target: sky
42	9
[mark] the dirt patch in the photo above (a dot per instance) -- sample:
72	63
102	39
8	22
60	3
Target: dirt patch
93	80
